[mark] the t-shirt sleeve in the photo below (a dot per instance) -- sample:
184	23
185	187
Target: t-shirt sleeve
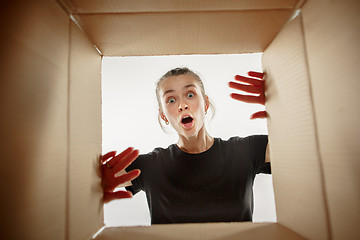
258	144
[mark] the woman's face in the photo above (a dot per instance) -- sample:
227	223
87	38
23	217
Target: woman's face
183	104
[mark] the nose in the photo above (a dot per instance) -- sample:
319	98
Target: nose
183	106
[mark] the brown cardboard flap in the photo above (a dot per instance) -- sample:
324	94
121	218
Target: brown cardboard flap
298	186
332	36
121	6
184	32
85	192
206	231
33	123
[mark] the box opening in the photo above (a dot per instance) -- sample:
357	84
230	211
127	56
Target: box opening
128	89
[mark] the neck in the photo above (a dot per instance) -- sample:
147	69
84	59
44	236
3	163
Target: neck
198	143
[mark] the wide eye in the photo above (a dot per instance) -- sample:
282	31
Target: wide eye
190	95
171	100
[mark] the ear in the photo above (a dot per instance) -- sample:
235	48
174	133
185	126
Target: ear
161	114
207	103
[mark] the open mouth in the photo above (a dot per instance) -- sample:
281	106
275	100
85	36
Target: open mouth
187	121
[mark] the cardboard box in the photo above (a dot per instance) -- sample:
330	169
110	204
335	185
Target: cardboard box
51	108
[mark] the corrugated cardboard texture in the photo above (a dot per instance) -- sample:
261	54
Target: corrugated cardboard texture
85	192
207	231
122	6
33	123
50	109
298	186
175	33
332	36
160	27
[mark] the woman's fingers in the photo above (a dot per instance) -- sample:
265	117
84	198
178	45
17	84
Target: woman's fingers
110	183
107	156
246	88
247	98
252	81
114	165
261	114
112	162
252	85
256	74
109	196
127	177
124	161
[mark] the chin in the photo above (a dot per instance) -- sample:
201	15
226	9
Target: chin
190	132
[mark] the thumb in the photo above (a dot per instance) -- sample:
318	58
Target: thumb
257	115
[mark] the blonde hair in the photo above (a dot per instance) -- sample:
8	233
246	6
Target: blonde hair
179	72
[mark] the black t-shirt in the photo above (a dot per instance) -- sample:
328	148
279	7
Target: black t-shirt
212	186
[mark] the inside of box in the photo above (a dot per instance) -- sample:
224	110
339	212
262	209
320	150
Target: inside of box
167	27
51	122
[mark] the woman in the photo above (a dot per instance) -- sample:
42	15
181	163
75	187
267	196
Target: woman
200	178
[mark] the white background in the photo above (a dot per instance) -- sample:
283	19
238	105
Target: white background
130	110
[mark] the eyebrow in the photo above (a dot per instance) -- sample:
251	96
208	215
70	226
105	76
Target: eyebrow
185	87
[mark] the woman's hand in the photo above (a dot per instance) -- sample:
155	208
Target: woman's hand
255	84
110	166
